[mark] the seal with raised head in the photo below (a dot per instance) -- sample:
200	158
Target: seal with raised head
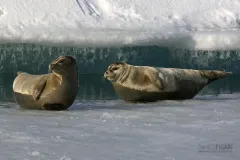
149	84
53	91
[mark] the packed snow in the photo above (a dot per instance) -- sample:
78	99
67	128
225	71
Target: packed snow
192	24
114	130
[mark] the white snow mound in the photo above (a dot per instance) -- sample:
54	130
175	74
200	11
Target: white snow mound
192	24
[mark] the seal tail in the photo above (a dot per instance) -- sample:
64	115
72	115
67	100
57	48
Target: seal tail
213	75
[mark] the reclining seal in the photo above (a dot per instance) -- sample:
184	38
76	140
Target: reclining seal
149	84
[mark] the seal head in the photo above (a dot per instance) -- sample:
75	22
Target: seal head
115	71
62	65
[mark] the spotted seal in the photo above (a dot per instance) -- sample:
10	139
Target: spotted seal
56	90
149	84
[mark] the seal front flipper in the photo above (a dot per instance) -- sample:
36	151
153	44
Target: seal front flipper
37	91
54	107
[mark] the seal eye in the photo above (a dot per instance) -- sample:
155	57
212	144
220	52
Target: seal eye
61	61
114	68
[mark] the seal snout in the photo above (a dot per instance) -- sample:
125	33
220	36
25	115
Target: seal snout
54	67
51	66
109	71
106	74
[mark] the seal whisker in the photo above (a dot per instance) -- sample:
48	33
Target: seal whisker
103	78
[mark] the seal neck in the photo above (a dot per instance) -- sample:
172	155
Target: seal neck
124	75
70	77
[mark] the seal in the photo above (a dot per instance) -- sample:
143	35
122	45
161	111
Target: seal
56	90
150	84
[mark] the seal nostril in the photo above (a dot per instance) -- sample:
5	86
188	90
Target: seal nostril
51	66
106	72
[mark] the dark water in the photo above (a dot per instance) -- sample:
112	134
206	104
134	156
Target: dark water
36	58
94	87
92	63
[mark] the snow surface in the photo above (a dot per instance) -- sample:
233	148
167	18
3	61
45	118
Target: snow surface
113	130
193	24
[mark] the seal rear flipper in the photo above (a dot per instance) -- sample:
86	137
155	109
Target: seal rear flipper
54	107
37	91
213	75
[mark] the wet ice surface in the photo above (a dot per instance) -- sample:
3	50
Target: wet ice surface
96	130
